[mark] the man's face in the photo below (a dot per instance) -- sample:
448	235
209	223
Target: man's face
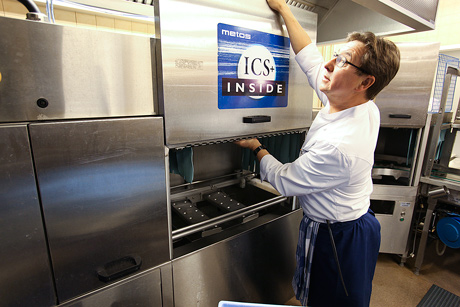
340	82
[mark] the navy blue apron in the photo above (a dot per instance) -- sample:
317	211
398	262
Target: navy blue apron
357	244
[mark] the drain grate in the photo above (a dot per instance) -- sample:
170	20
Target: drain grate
438	297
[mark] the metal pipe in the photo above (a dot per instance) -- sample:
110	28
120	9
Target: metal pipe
206	189
30	5
240	173
188	230
438	192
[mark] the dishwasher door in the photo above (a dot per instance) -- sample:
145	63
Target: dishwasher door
228	70
102	185
26	275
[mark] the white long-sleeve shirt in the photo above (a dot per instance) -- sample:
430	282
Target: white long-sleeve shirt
333	175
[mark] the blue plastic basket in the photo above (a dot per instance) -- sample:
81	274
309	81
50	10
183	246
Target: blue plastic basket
448	229
443	62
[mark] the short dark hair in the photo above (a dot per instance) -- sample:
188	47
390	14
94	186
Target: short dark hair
381	59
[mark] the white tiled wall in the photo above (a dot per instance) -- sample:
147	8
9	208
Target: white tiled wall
14	9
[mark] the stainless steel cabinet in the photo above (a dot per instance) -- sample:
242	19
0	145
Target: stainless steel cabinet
394	207
404	102
54	72
25	270
102	187
253	266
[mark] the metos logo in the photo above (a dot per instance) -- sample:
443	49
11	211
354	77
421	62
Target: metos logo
236	34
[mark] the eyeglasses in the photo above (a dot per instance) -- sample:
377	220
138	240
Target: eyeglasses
340	61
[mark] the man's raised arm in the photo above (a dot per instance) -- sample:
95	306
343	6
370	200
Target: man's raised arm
299	38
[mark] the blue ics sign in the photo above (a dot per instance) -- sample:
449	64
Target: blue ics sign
253	68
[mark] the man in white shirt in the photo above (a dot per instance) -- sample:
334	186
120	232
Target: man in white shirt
339	239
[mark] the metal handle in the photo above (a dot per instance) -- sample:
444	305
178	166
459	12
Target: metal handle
257	119
119	268
188	230
406	116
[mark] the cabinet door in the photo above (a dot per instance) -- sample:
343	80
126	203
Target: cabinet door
103	190
404	102
73	72
144	289
25	271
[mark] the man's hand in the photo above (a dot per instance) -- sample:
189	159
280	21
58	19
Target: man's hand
251	143
276	5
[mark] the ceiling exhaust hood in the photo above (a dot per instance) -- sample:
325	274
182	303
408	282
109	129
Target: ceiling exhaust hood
337	18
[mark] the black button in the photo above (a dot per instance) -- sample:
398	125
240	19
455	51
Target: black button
42	103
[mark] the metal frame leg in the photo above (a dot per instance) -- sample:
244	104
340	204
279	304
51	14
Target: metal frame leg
426	227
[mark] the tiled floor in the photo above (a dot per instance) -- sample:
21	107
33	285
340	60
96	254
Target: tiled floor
398	286
395	285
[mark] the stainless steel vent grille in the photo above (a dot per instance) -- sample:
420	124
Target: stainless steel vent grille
321	7
231	140
425	9
302	4
147	2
